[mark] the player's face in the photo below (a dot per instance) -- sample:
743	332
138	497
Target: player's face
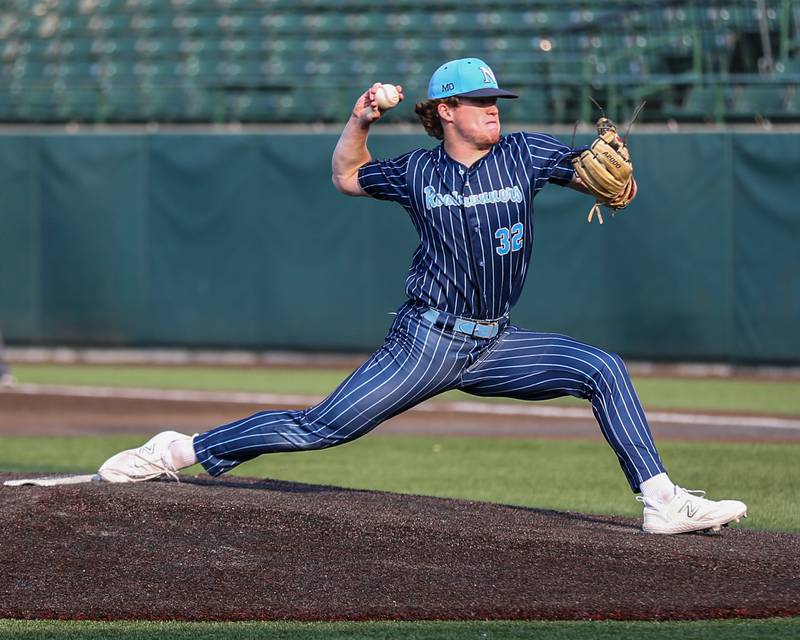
477	120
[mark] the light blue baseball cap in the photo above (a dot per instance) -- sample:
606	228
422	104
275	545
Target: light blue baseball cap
469	77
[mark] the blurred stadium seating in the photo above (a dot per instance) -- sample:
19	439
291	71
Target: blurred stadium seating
117	61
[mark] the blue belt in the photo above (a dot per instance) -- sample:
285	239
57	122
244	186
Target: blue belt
474	328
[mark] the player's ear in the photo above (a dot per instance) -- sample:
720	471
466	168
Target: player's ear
445	111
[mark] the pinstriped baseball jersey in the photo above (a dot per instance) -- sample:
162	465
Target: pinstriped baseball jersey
476	238
475	223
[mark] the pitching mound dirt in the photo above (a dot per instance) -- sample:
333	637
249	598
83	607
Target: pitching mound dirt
240	549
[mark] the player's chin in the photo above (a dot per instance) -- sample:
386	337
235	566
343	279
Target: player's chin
491	138
492	133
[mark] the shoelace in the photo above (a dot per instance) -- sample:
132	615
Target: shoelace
164	467
695	492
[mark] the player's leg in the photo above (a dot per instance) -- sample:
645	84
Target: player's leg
406	370
537	366
415	362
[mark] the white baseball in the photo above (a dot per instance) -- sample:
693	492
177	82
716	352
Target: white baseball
387	97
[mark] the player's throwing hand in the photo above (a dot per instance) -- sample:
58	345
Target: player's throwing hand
368	107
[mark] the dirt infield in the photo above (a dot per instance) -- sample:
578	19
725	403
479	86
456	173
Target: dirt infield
240	549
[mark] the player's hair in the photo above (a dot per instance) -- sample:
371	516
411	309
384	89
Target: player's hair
429	115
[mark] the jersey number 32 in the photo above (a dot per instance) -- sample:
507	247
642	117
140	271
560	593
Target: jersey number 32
510	239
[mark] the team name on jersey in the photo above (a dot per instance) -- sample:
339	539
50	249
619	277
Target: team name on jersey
507	194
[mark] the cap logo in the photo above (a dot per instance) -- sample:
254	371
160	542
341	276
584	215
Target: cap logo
448	87
488	76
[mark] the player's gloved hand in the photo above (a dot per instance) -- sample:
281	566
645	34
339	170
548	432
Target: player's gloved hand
605	169
624	197
366	109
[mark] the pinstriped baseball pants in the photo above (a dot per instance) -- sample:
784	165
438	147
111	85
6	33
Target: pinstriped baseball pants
419	360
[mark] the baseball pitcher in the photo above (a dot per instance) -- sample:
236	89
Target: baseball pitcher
471	200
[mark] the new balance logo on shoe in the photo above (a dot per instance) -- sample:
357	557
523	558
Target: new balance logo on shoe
690	509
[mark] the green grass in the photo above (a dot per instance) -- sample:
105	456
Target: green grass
700	394
773	629
574	475
755	396
292	381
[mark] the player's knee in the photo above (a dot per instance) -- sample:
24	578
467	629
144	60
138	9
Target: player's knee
610	369
329	439
323	435
321	438
613	364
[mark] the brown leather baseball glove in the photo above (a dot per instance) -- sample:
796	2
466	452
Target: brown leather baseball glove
605	169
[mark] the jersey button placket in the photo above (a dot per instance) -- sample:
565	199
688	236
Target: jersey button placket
475	244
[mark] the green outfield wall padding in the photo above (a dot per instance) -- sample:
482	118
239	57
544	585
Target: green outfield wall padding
20	249
241	241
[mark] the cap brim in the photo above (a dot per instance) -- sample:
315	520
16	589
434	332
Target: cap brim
488	93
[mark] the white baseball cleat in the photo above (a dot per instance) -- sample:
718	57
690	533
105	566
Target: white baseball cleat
151	460
690	511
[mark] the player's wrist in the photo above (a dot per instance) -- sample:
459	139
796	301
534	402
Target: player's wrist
360	121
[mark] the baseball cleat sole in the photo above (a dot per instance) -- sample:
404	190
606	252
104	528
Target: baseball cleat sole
712	528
